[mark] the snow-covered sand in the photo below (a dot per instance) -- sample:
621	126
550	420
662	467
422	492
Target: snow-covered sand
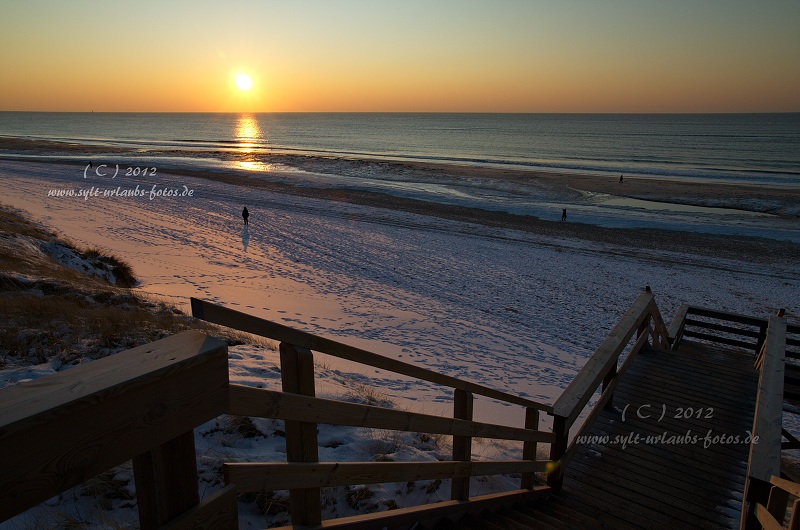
510	309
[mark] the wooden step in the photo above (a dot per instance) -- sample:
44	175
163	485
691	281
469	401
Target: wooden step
533	518
553	513
571	518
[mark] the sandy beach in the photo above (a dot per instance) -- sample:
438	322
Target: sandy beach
783	202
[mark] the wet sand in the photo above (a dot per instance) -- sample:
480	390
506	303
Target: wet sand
751	249
734	195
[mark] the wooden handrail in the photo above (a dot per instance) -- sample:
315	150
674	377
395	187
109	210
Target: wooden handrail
605	398
765	455
574	398
643	318
429	514
263	403
677	326
269	476
682	321
140	404
772	515
231	318
303	475
765	447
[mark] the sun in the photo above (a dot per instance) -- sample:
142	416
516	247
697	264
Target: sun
243	81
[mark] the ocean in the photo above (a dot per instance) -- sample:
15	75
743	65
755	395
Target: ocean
371	152
762	148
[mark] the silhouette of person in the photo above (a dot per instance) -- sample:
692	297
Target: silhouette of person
620	179
245	215
564	214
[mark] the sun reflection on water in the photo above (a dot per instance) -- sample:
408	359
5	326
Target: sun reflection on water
248	133
249	139
252	165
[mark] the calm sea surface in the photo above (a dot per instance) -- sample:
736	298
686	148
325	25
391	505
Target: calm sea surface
763	148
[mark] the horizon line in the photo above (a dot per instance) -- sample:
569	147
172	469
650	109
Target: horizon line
676	113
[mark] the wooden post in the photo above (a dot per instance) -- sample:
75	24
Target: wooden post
529	448
462	445
140	404
555	475
610	376
297	377
166	481
762	336
646	322
764	461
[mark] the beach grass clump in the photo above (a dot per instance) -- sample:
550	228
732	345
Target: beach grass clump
69	324
13	222
120	270
366	394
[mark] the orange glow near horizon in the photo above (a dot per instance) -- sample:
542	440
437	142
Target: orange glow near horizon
415	56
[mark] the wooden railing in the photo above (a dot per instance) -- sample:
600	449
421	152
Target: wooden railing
61	430
772	515
765	447
303	475
729	329
644	320
143	405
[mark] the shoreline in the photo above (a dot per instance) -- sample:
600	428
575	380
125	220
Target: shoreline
719	195
659	188
740	248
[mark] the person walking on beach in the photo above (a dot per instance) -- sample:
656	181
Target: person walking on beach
620	179
245	215
564	214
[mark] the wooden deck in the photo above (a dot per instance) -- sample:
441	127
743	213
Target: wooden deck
670	483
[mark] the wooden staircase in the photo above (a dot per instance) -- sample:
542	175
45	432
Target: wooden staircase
554	513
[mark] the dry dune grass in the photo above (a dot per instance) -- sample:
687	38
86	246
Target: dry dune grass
52	312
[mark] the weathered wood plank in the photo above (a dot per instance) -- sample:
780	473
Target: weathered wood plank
675	331
105	412
647	460
630	513
529	448
766	519
663	480
656	485
284	475
264	328
580	390
220	511
788	486
297	376
640	501
562	505
605	397
166	481
661	335
744	332
249	401
404	518
719	339
727	315
651	494
462	445
765	456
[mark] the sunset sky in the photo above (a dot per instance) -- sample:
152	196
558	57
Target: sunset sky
429	55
